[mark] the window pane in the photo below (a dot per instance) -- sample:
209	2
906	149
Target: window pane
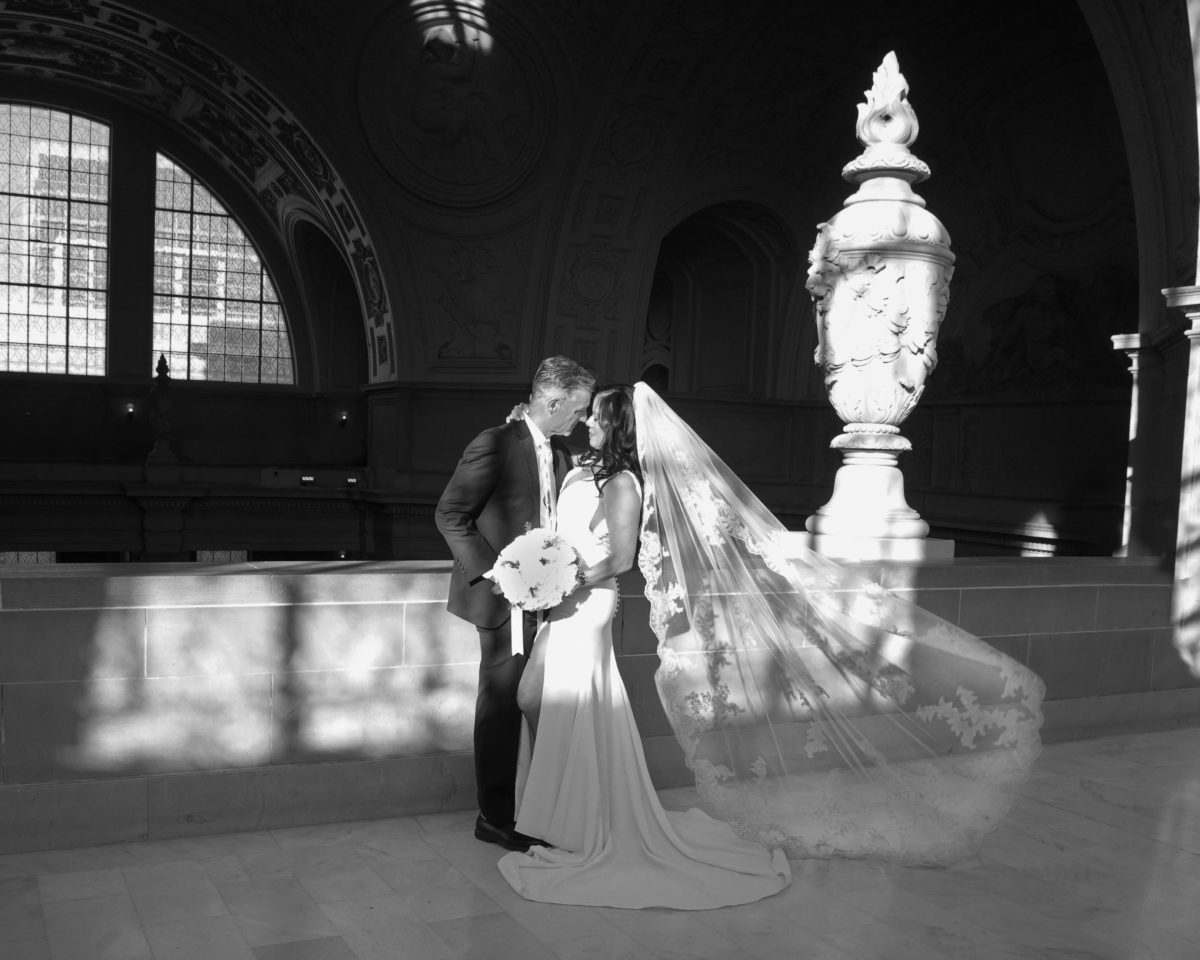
53	241
216	313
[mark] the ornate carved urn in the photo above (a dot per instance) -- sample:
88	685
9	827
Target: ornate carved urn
879	276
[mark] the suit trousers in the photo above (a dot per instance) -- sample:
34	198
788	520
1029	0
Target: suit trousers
498	720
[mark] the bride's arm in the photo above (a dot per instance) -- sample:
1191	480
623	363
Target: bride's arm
623	510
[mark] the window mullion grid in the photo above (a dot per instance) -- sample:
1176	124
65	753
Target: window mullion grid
69	258
191	256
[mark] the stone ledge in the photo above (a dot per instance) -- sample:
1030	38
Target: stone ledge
49	816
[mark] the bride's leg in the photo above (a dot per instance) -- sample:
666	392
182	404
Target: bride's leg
529	693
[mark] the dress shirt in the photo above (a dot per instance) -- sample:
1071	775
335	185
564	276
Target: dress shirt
548	500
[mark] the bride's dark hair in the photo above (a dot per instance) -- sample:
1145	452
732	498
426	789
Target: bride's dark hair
612	407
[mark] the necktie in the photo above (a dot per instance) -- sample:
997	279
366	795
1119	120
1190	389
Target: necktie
546	481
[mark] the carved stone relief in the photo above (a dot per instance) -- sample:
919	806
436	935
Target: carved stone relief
237	144
1050	341
631	139
476	291
590	290
447	103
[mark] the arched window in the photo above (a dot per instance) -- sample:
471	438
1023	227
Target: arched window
53	241
217	315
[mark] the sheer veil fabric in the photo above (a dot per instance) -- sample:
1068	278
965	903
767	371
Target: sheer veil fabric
818	711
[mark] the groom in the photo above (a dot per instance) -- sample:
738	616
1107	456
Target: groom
508	477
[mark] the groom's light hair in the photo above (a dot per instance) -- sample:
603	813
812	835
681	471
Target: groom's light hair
562	374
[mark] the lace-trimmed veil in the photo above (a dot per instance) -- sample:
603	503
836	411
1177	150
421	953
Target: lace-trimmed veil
818	711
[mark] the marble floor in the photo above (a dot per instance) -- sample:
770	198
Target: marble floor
1101	859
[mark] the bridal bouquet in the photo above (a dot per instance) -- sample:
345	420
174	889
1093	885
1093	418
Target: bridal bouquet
537	570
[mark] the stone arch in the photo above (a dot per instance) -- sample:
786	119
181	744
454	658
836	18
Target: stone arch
720	303
221	108
335	323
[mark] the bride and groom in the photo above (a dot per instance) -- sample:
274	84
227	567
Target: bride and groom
820	714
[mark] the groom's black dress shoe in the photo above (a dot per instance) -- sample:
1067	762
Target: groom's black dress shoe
507	837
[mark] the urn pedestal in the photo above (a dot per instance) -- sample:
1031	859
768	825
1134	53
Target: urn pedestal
879	274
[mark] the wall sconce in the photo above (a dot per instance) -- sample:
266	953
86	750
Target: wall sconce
343	418
130	410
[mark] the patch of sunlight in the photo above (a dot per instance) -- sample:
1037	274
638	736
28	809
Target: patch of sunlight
454	22
1041	527
174	724
391	712
255	671
1186	617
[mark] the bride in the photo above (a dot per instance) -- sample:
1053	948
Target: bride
820	714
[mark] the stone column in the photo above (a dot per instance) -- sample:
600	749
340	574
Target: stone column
1141	490
1187	543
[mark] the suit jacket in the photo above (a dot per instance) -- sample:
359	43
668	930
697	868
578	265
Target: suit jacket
486	505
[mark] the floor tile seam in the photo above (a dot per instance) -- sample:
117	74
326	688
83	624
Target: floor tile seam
365	864
647	940
533	931
932	906
178	920
1069	892
98	896
348	843
127	896
551	944
431	926
1130	832
42	924
1122	827
269	605
144	922
374	863
929	952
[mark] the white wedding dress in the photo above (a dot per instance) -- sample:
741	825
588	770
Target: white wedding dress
585	788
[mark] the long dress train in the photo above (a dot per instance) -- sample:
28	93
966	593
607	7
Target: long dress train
586	789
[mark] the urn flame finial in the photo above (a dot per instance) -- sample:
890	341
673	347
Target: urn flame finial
887	126
887	117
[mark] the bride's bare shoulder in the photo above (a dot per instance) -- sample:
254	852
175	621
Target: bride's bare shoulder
622	484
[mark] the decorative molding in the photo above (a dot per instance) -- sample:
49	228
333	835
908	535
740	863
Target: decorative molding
137	57
454	104
475	289
592	282
630	142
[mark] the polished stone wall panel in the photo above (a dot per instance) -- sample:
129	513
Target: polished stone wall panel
288	693
49	645
43	816
350	714
988	611
215	641
433	636
1093	664
295	794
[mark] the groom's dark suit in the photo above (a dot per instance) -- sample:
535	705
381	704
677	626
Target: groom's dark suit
492	495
